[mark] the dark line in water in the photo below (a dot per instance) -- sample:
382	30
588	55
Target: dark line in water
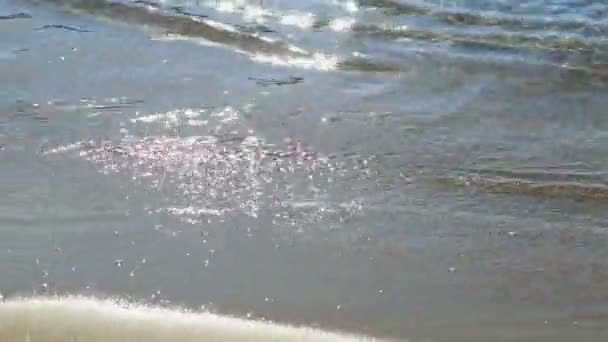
148	3
272	81
255	29
368	65
545	175
62	27
181	10
395	7
110	107
20	15
516	186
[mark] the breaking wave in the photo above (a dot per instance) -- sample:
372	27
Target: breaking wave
93	320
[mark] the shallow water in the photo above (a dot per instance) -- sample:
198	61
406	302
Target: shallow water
415	170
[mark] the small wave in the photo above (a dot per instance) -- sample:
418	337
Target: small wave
166	26
485	17
573	43
572	53
93	320
499	41
178	25
296	58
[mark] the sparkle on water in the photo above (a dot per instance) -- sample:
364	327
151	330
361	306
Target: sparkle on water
227	171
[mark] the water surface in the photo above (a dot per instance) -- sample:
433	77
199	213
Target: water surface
415	170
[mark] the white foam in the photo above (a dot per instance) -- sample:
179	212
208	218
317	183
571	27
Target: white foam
349	6
92	320
170	118
176	37
302	20
256	14
149	118
224	6
64	148
220	26
192	210
318	61
342	24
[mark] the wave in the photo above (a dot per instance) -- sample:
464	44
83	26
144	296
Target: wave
86	319
571	44
498	41
176	23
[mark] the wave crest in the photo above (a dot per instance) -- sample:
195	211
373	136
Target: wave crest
93	320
